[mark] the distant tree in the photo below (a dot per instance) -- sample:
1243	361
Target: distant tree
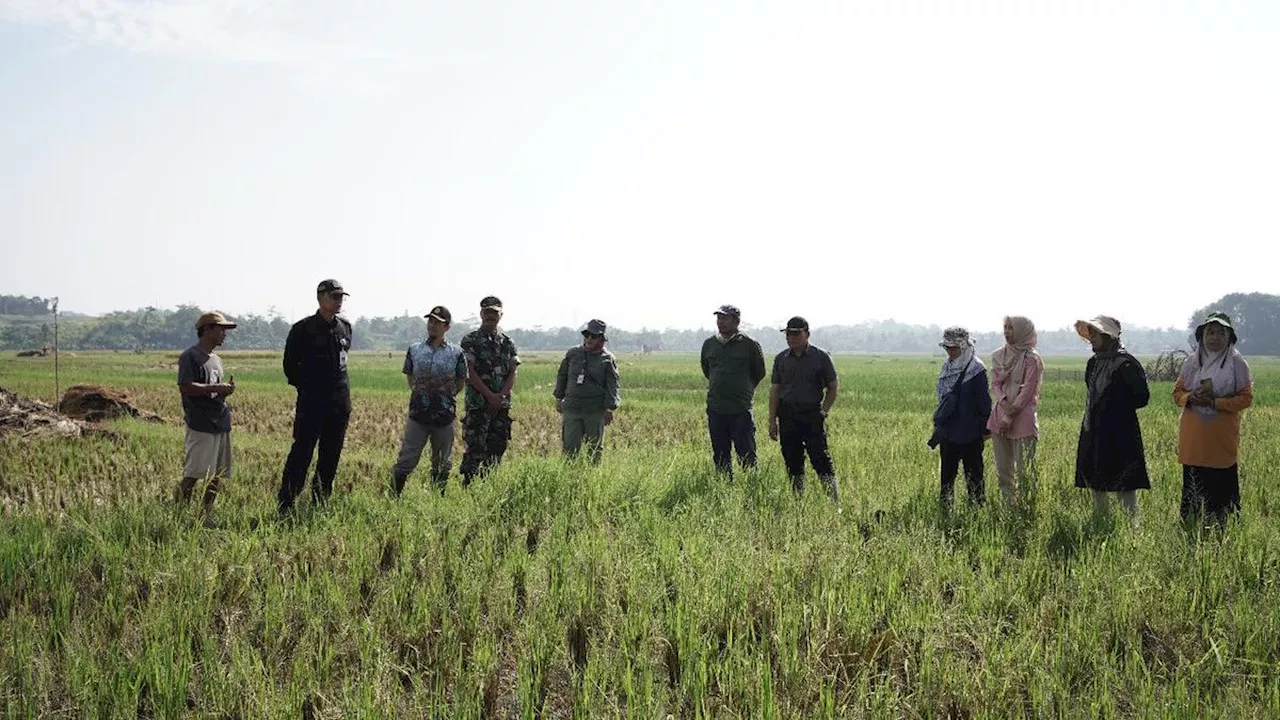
1256	317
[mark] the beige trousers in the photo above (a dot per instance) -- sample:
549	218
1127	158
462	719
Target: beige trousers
1015	465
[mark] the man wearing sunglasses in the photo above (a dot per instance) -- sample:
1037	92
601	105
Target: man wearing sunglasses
315	362
587	392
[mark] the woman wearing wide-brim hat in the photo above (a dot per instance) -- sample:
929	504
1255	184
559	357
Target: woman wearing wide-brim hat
1110	457
1215	386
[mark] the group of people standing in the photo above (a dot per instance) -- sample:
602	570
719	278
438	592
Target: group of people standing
1214	388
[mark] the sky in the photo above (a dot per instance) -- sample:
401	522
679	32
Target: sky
643	162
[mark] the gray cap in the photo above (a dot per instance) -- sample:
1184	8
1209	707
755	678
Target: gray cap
595	327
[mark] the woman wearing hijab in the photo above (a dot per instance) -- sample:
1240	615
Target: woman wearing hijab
1016	372
1110	457
960	420
1214	387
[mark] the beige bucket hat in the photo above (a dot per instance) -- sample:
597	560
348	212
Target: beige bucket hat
1102	323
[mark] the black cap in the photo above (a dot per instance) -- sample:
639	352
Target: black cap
330	286
796	323
595	327
491	302
728	310
440	313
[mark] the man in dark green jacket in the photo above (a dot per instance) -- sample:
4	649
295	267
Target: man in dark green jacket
733	365
587	392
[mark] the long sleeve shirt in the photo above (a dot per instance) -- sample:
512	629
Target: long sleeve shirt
1022	407
1212	442
588	382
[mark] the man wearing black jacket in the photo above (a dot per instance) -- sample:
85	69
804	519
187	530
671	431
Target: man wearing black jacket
315	362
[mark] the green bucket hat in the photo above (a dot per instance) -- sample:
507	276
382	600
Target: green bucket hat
1220	318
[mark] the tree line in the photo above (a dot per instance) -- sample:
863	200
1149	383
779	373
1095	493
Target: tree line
1256	316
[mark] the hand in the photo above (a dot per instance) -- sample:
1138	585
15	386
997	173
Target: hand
224	389
1006	407
608	416
773	428
493	404
986	436
560	405
1005	423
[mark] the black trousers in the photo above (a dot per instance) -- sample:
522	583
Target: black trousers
320	417
731	431
1211	492
802	431
971	455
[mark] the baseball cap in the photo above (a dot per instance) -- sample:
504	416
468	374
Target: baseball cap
330	286
595	327
491	302
213	318
796	323
728	310
440	313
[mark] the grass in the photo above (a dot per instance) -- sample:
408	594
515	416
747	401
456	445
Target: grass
646	587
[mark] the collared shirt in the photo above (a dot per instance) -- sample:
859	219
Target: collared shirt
803	377
315	354
435	372
588	381
493	357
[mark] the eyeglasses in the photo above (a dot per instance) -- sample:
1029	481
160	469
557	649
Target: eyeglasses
336	295
594	336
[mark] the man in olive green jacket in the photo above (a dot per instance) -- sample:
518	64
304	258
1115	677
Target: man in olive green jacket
733	365
587	392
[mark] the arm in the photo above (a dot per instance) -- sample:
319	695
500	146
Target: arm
562	378
195	389
757	363
1030	389
612	397
774	392
832	383
460	374
982	397
510	382
1135	379
1180	393
1235	403
408	368
293	356
829	398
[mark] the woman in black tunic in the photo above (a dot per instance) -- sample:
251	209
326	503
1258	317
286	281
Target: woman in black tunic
1110	456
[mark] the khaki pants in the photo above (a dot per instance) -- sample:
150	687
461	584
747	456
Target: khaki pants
1015	465
577	427
416	437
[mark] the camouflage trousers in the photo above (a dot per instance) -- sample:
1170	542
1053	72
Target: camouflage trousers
486	437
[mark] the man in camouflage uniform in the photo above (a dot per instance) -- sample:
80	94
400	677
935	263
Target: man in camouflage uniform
491	373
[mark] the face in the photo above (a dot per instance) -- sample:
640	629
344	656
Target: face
1008	331
216	334
953	352
436	328
489	319
797	339
1215	337
1098	339
592	342
331	302
727	325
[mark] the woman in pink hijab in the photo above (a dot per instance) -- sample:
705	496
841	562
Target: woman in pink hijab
1016	374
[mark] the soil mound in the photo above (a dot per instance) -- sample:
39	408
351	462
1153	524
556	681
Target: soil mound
94	403
31	417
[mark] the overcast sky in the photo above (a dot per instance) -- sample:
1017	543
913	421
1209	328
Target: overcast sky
643	162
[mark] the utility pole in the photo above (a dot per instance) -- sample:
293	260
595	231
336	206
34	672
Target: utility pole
57	384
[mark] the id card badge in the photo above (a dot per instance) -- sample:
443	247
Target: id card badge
581	377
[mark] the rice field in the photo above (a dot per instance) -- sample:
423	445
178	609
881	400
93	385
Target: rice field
647	587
